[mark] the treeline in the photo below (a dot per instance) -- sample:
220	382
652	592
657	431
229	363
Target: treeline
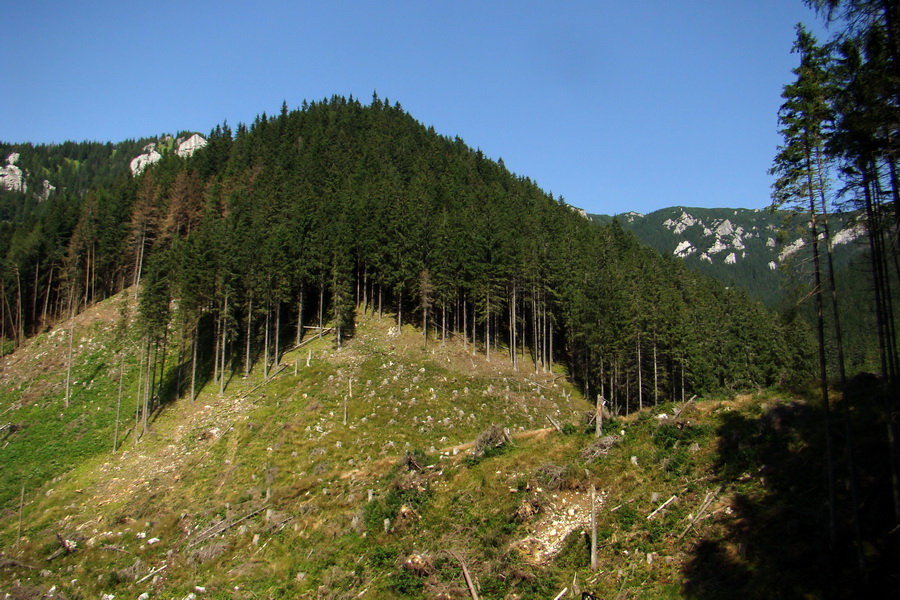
297	220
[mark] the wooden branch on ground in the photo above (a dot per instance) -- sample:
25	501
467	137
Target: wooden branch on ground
661	506
151	574
710	496
554	423
685	405
66	547
468	578
562	593
217	529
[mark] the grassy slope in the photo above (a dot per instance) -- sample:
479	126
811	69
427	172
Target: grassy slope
265	492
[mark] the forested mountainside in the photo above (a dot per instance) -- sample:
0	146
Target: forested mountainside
759	250
298	218
766	253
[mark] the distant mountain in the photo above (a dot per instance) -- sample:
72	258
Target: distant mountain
751	248
31	173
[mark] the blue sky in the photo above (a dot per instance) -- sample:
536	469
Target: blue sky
615	106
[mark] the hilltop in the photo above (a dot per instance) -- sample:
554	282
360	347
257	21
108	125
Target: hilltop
383	470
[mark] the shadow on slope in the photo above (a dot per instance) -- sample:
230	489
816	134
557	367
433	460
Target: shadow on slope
775	543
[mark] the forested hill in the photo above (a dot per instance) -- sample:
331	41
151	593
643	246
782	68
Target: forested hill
758	250
298	218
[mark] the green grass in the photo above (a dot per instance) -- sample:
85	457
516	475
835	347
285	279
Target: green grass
289	480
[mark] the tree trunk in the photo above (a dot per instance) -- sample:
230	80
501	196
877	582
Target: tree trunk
119	401
640	389
146	368
823	371
299	318
194	362
222	346
138	395
655	375
69	353
277	332
266	344
139	264
487	326
249	336
512	329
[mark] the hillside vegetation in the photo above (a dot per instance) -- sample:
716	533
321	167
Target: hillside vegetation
383	469
297	219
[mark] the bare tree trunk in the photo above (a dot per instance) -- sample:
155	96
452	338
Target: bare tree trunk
119	401
823	371
277	332
655	375
20	321
299	318
139	263
222	346
487	326
512	329
146	368
550	342
266	344
194	362
474	328
216	348
140	388
464	325
34	296
365	298
321	305
639	375
249	336
69	353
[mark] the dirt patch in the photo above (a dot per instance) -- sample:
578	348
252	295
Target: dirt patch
561	514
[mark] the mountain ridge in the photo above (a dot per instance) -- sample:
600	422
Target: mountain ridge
752	248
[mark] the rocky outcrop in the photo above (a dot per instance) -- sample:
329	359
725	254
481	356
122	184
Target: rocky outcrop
47	188
12	177
184	148
187	147
142	161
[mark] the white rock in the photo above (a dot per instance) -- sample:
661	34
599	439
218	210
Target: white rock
845	236
791	249
684	249
142	161
12	177
190	145
46	189
717	247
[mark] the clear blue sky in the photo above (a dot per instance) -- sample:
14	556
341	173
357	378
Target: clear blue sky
615	106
